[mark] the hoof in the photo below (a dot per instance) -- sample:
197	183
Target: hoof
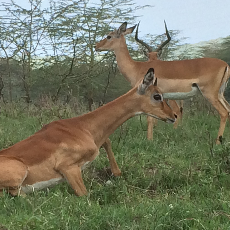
117	173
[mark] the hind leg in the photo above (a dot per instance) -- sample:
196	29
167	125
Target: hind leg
224	102
181	105
220	106
227	106
12	175
151	123
113	164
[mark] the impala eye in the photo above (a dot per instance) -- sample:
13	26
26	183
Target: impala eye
108	37
157	97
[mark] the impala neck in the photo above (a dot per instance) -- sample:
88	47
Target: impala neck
102	122
125	63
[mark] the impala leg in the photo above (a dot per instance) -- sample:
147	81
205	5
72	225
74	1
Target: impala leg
223	112
221	129
227	106
113	164
179	114
74	178
151	123
224	101
12	175
181	105
177	110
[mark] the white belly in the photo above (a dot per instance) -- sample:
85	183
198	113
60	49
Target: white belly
175	85
45	184
41	185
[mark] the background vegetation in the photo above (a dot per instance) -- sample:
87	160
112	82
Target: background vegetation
49	51
49	70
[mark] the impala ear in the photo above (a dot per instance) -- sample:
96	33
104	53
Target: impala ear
129	30
147	81
122	28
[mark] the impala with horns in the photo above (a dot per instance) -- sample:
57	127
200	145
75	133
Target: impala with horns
154	55
60	149
175	78
124	69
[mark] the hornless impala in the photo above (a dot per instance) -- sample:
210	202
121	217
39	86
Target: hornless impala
175	78
154	55
61	148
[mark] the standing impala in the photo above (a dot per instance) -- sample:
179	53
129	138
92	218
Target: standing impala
176	78
60	149
122	52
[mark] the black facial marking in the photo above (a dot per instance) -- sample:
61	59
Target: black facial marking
194	85
150	70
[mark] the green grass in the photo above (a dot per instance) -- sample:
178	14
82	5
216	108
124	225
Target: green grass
180	180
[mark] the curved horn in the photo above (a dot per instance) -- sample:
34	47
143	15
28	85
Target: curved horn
141	42
165	42
182	95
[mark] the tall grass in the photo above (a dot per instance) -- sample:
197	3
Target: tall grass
180	180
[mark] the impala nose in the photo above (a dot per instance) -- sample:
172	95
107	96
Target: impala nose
169	120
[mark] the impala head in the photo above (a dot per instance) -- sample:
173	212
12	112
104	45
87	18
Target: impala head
153	54
112	40
152	103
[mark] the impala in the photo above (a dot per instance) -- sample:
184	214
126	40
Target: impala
124	69
175	78
60	149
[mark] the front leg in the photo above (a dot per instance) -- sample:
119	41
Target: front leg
74	177
152	122
113	164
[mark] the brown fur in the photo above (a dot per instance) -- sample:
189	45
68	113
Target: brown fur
61	148
175	76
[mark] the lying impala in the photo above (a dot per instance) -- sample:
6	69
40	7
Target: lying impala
60	149
175	78
154	55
